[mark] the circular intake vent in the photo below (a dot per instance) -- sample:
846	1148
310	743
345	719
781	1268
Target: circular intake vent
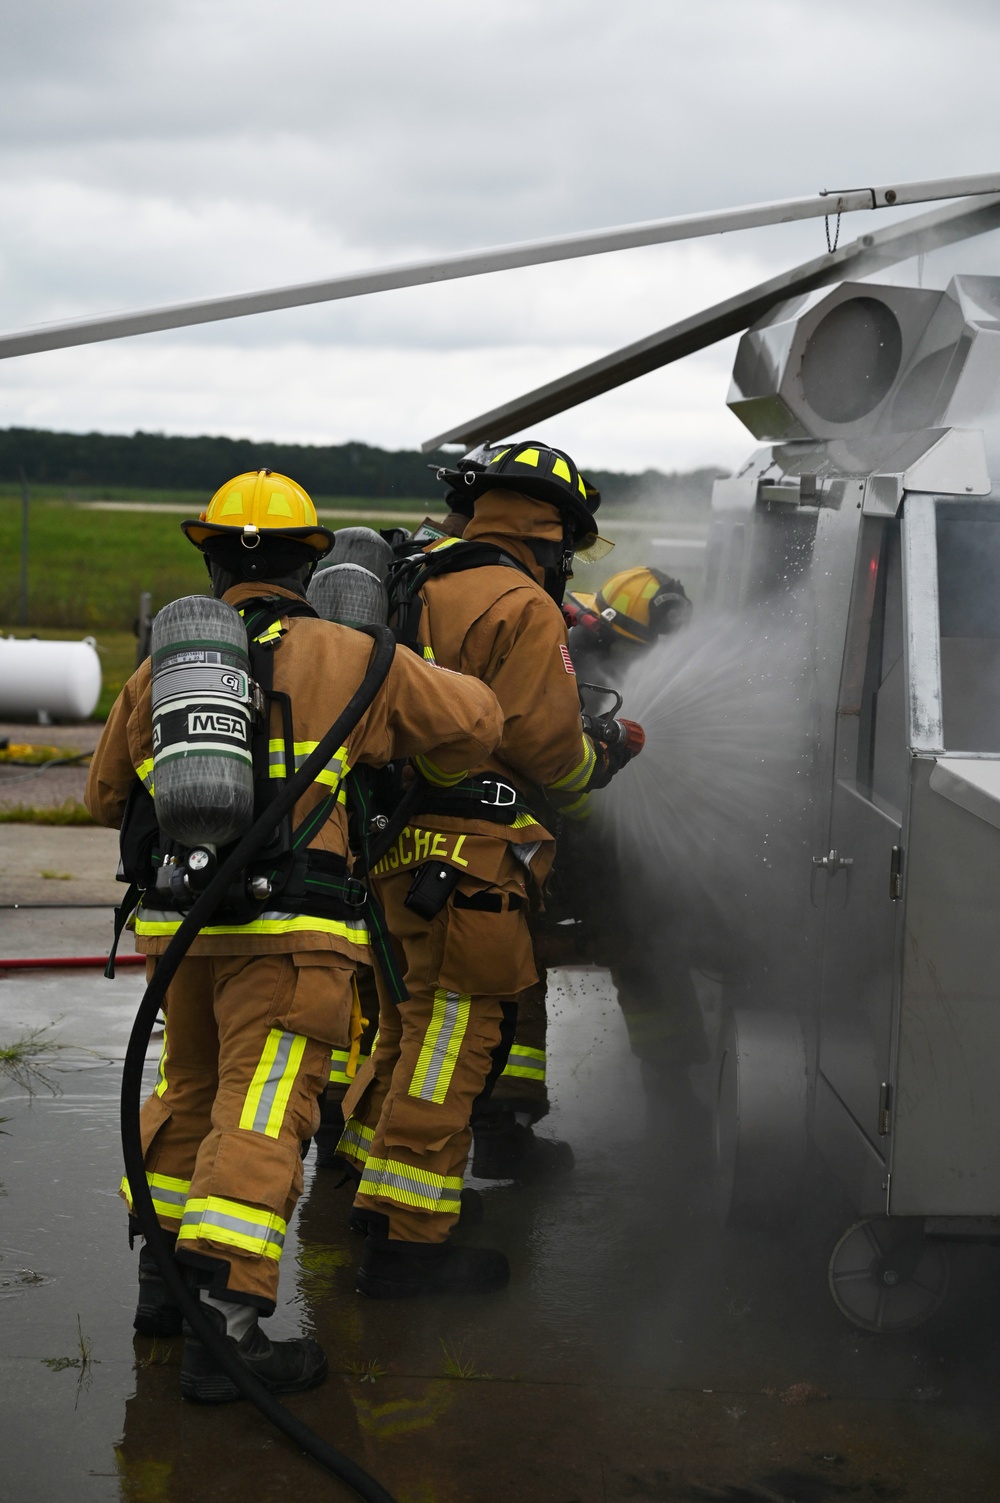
851	360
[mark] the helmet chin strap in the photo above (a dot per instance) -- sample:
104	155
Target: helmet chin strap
556	559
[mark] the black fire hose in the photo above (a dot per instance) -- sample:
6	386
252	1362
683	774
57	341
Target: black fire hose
307	1440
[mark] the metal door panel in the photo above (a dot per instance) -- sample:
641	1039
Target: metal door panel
945	1141
858	957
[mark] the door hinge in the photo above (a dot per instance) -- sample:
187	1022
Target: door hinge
884	1109
896	873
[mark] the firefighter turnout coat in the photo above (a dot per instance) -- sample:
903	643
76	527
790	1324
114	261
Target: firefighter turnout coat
255	1008
408	1113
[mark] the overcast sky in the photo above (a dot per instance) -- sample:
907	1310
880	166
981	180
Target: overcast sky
152	152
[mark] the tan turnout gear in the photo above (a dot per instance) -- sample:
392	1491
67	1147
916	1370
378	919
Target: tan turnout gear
407	1128
256	1009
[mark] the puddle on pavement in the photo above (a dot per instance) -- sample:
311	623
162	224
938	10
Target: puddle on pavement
640	1353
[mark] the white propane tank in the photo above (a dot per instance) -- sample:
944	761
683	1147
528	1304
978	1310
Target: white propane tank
48	680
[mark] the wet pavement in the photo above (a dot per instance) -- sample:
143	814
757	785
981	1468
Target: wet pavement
639	1353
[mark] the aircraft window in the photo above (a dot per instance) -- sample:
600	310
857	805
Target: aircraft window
882	760
969	607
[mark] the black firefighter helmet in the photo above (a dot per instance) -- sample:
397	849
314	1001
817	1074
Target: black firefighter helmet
536	470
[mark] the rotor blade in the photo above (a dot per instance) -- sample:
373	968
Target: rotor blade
869	253
475	263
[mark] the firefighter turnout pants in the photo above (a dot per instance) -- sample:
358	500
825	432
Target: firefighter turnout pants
407	1115
246	1054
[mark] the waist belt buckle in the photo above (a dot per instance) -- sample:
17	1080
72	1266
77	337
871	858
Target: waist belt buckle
504	796
355	893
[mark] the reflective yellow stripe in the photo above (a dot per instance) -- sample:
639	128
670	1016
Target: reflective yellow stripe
429	655
341	1072
161	1069
442	1042
144	772
169	1194
267	1098
580	776
437	775
270	633
332	775
525	1063
524	822
391	1179
288	923
355	1140
233	1225
578	809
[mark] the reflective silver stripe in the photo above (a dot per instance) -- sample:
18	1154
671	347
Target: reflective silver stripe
197	1220
176	1198
355	1141
442	1042
269	1087
393	1184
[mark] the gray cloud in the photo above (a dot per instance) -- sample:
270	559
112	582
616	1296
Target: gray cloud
156	152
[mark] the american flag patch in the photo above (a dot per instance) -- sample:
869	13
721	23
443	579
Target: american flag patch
567	661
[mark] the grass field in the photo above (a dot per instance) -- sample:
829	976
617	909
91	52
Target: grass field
87	568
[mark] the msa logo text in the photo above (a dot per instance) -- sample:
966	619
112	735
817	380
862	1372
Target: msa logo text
210	723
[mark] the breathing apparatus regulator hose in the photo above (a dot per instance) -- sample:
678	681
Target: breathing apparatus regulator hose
307	1440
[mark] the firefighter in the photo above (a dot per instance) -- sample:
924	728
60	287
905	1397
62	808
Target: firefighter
599	913
256	1007
457	883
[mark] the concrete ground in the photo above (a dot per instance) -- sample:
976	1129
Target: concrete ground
639	1353
53	785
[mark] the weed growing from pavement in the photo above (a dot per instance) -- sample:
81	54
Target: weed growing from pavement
457	1365
20	1060
82	1362
367	1372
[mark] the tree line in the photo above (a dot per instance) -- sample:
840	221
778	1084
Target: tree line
162	461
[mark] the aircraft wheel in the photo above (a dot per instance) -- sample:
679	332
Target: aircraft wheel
885	1276
761	1138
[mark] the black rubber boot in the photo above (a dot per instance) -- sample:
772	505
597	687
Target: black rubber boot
376	1223
282	1366
155	1314
504	1148
406	1270
326	1138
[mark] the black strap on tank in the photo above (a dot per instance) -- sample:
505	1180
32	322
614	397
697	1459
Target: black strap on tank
408	578
360	796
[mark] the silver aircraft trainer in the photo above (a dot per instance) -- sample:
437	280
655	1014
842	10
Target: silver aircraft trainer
876	494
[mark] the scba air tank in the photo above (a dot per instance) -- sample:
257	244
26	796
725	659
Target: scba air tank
352	590
202	708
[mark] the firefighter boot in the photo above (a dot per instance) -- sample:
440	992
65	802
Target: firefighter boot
376	1223
155	1314
282	1366
391	1269
505	1148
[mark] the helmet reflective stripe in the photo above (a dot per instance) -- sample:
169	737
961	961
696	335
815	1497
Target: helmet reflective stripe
530	456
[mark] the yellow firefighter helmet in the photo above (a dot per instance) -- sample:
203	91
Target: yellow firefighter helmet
260	501
635	605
